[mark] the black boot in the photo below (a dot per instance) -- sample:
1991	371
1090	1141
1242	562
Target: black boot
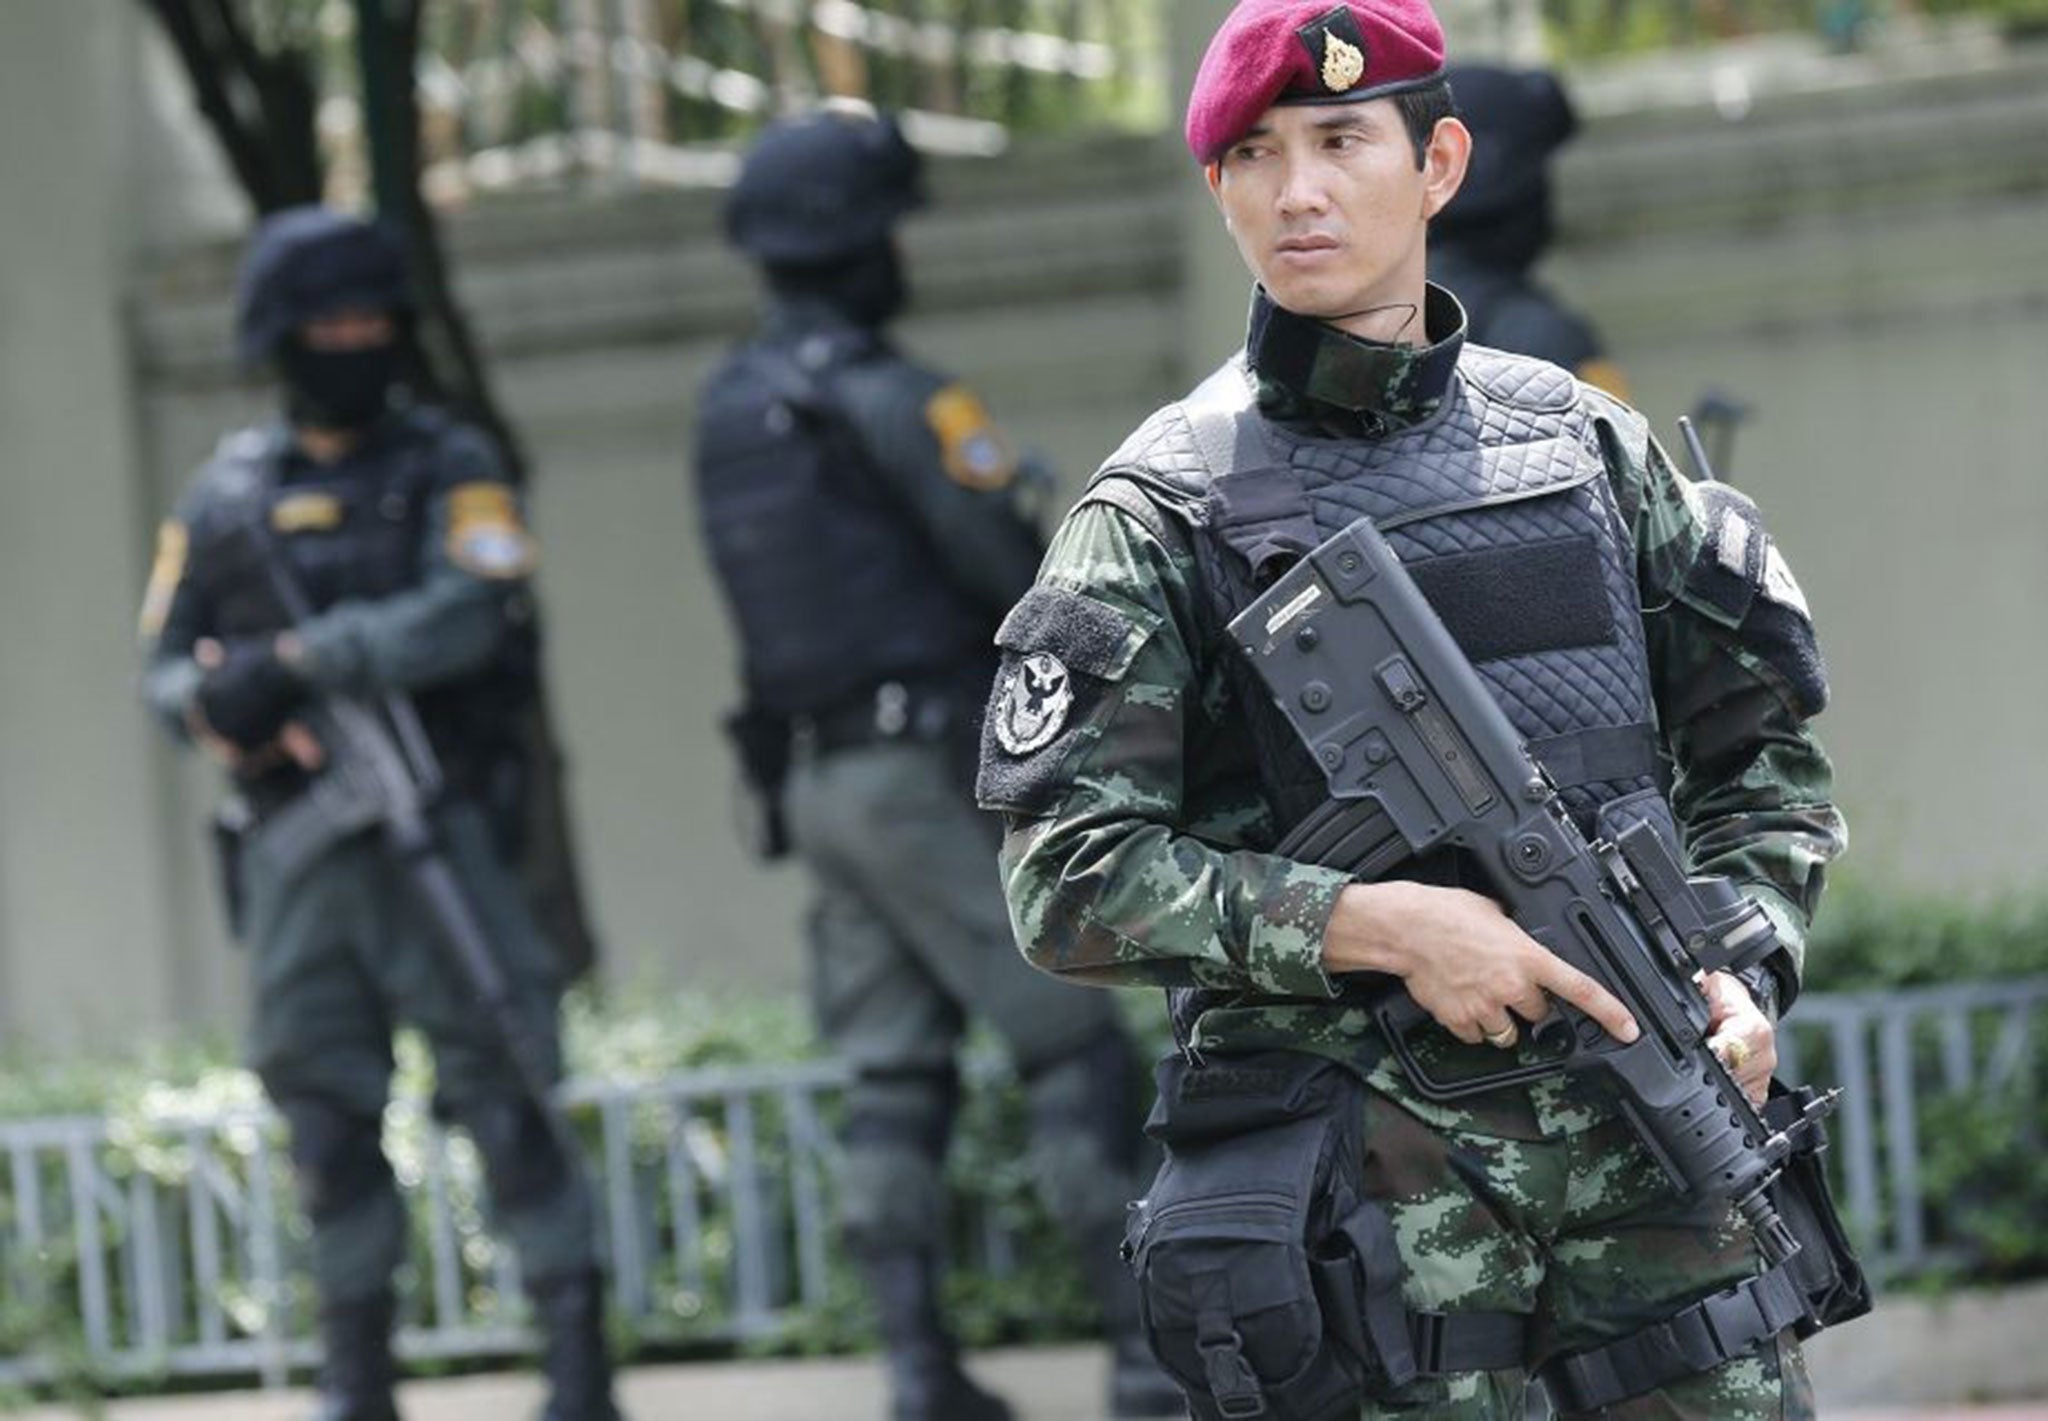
570	1314
925	1380
356	1375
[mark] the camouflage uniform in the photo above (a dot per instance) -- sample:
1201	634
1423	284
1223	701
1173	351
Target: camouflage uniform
1138	853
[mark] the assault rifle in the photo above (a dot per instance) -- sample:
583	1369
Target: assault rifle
381	773
1418	756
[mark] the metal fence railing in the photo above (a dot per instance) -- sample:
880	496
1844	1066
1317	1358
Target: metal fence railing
1904	1059
175	1248
178	1251
535	93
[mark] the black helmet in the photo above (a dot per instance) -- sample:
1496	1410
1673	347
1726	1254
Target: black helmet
1518	118
823	186
305	262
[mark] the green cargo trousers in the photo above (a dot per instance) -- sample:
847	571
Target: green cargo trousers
1561	1215
340	955
909	937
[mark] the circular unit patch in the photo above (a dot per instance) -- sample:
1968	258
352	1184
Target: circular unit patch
1034	704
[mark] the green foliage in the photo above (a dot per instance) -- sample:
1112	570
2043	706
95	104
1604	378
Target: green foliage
2020	18
1598	29
1979	1150
1867	937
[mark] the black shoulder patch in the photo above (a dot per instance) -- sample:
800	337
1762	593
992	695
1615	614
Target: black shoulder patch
1063	652
1741	578
1086	633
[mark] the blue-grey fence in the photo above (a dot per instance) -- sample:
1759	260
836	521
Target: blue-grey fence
173	1248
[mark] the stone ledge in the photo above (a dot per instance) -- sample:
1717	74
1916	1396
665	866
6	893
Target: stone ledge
1972	1347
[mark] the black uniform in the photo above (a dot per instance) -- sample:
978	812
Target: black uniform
410	548
868	524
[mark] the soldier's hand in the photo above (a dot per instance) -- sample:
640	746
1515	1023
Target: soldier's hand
248	693
1463	959
294	742
208	655
1740	1034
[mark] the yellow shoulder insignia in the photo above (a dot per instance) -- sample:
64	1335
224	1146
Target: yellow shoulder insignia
486	536
975	452
165	573
1606	374
307	513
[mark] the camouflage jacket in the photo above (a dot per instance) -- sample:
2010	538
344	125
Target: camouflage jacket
1138	844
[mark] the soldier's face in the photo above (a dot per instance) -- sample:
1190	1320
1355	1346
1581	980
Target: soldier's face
350	328
1330	208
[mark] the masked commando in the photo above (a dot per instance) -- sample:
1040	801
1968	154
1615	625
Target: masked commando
398	524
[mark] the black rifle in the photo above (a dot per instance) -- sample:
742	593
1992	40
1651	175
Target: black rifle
382	772
1418	755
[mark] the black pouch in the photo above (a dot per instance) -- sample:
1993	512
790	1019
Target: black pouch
1825	1267
761	741
1244	1249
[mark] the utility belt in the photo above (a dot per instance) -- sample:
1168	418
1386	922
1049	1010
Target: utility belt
924	709
1270	1287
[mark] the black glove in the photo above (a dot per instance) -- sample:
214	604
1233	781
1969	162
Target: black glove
247	699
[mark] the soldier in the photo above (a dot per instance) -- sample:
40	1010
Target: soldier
1484	245
1640	630
400	526
866	520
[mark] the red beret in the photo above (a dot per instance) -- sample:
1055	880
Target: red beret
1308	52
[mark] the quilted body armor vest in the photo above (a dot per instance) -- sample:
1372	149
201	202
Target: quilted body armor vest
1500	506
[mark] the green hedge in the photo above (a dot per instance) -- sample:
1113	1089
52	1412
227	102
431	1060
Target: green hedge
1867	938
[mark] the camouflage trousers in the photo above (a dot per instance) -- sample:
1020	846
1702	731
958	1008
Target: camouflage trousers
1578	1229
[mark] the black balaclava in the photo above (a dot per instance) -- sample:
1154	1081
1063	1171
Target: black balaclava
866	286
337	389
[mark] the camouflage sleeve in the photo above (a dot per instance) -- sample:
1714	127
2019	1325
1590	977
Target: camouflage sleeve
1738	677
942	455
475	557
1086	750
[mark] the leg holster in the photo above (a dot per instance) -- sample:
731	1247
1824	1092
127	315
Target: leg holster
1820	1285
1269	1287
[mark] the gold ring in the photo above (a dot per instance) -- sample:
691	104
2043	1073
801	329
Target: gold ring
1736	1053
1502	1039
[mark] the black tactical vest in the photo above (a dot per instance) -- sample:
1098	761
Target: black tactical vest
1500	506
352	533
832	584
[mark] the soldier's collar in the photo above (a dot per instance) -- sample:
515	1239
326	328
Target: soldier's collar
1310	369
788	315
